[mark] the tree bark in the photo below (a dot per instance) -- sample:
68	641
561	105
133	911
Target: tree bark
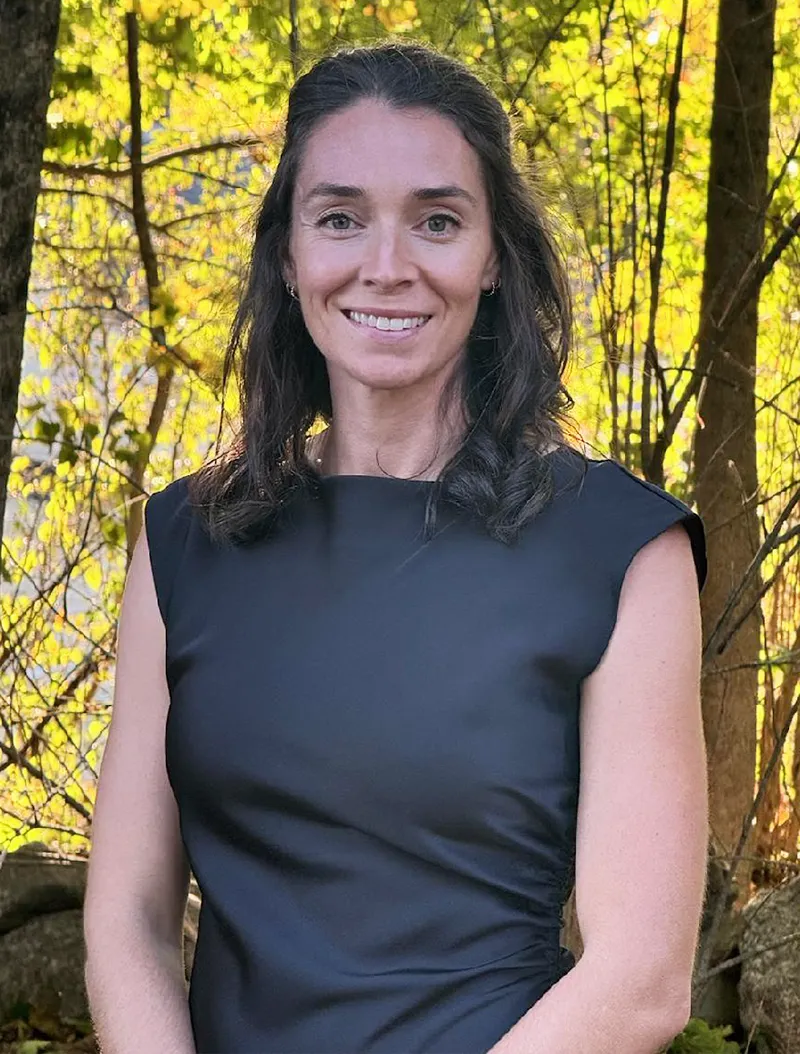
28	36
726	475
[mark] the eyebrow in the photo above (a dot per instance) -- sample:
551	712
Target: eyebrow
342	190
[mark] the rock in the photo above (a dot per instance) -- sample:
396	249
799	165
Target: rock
41	932
42	950
42	964
34	881
769	989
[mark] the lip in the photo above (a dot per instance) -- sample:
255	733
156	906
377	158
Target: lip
385	336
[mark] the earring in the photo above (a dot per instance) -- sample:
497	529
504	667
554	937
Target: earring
291	291
495	287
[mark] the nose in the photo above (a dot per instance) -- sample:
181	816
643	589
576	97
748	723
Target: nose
387	260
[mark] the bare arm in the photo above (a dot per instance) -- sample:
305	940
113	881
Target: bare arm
642	826
138	875
137	998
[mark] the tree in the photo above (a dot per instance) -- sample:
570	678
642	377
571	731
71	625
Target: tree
726	472
28	33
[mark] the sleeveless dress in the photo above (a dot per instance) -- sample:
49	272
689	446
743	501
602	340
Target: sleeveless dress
373	745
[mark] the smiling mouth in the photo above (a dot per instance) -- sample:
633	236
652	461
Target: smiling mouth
385	324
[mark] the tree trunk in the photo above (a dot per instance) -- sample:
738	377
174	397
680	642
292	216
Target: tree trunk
28	35
726	475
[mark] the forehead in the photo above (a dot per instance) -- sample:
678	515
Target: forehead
385	149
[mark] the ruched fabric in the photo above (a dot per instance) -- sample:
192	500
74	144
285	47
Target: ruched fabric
373	745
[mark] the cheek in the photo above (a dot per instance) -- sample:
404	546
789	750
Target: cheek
323	262
461	296
457	278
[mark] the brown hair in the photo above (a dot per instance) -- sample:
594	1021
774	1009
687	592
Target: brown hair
510	377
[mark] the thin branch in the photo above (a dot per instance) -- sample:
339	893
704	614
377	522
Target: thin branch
727	964
720	330
552	34
152	162
704	958
766	547
650	356
294	39
498	43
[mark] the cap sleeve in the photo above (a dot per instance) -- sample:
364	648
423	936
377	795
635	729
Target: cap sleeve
619	514
647	511
167	518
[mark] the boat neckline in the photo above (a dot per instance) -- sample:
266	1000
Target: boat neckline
410	479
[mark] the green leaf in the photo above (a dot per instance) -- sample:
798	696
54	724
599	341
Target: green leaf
183	46
71	137
90	432
112	149
700	1038
113	531
46	431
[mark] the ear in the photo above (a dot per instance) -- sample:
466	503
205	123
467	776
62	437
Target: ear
287	268
491	272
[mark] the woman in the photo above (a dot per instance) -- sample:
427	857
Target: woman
389	688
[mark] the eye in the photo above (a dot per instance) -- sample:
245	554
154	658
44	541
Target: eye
334	216
443	216
438	217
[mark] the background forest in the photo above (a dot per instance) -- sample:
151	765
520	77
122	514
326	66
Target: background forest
139	138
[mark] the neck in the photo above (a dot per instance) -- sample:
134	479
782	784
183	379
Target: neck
332	455
321	453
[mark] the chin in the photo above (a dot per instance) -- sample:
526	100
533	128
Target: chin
382	375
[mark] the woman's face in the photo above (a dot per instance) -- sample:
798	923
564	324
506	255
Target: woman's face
390	220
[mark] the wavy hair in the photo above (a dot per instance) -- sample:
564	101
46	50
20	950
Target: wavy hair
510	375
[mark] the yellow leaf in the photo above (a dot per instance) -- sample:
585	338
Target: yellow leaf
151	9
93	577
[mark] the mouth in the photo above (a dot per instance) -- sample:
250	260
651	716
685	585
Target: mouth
385	327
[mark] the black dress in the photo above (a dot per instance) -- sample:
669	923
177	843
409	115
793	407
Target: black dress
373	745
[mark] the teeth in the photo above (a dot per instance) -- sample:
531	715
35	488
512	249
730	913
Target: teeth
381	322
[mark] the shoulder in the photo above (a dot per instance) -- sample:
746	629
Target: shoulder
168	520
168	509
619	482
612	482
619	513
169	497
